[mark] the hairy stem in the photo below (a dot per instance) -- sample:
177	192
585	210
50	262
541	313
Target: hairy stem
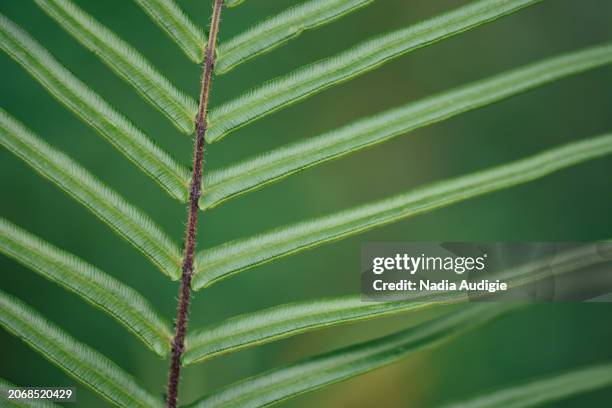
178	343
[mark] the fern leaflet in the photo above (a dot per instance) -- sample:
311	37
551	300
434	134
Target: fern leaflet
227	259
124	218
127	62
263	326
123	303
544	390
92	109
279	29
243	177
79	361
295	379
291	88
169	16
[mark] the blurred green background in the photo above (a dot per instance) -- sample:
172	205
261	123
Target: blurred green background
573	204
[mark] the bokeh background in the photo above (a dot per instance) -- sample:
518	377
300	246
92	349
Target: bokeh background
573	204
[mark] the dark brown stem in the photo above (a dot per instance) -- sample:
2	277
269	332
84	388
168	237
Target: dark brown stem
182	315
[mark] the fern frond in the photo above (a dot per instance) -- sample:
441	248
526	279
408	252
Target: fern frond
6	385
126	61
125	219
169	16
79	361
544	390
240	178
278	322
227	259
279	29
291	88
92	109
123	303
316	372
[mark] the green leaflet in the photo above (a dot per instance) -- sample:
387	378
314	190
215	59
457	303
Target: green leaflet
5	385
277	30
233	3
289	89
169	16
278	322
81	362
240	178
219	262
79	98
545	390
126	61
123	303
267	325
307	375
125	219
